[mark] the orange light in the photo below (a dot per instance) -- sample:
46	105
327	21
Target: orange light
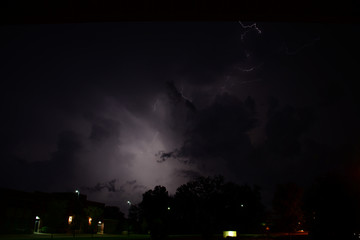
70	219
90	219
267	228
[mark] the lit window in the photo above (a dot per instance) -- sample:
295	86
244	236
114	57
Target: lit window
70	219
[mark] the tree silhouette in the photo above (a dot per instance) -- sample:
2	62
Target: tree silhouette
287	204
206	205
210	205
153	209
55	219
332	204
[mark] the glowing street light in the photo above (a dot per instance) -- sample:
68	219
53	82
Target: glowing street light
78	193
229	234
70	219
37	224
128	202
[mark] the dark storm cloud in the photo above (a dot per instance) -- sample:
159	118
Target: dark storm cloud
300	48
214	57
63	162
284	128
220	130
110	186
59	170
189	174
103	129
284	149
67	146
166	155
177	96
141	187
131	182
218	134
98	133
92	104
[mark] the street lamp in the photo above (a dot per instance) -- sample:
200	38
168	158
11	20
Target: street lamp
128	221
77	206
37	224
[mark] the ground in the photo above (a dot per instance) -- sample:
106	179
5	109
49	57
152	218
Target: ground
141	236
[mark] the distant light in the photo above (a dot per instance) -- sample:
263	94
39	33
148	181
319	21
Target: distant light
267	228
99	222
90	219
128	202
229	234
301	230
37	217
168	208
77	191
242	205
70	219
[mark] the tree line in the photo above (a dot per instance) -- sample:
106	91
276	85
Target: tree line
206	205
327	209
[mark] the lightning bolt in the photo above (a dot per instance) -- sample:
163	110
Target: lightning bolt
182	95
248	28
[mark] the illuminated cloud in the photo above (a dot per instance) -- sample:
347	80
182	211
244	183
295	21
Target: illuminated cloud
117	108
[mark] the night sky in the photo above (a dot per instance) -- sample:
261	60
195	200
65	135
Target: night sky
114	109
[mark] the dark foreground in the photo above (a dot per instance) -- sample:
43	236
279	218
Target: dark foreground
279	236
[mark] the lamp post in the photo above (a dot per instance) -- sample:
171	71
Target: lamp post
37	224
77	215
